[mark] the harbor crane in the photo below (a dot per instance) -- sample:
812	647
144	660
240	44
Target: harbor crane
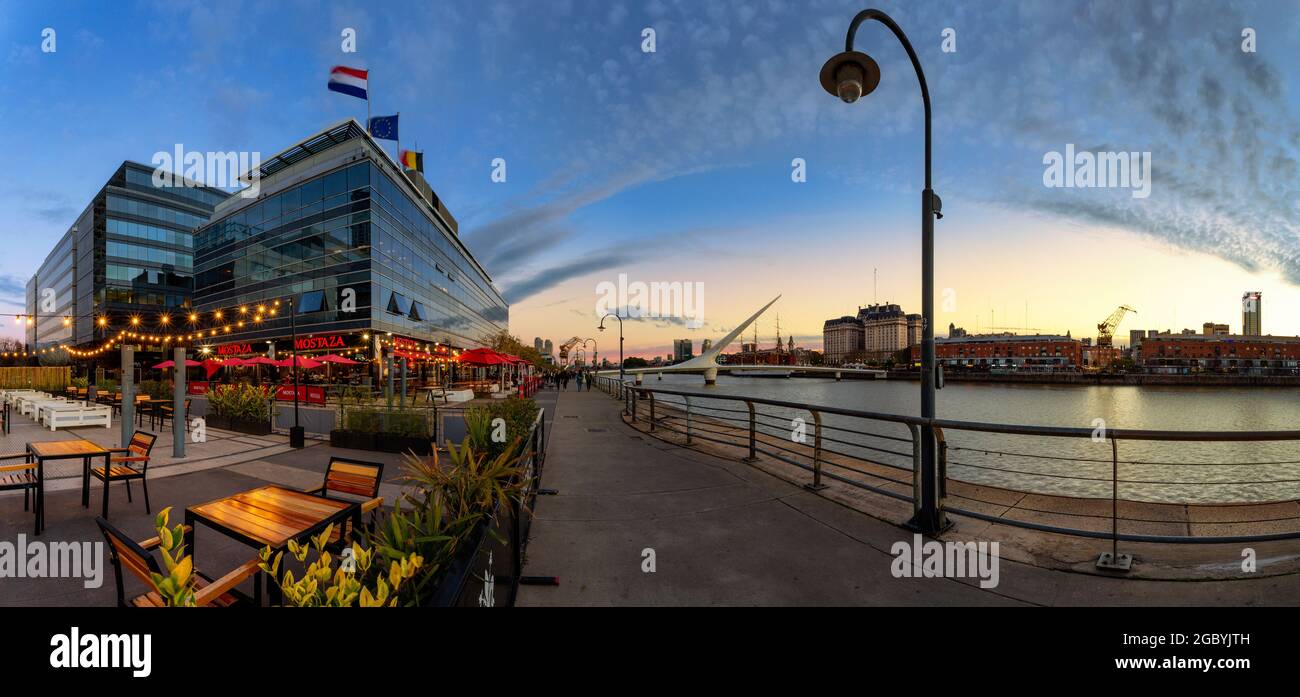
564	349
1106	330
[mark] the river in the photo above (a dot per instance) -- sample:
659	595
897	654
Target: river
1176	472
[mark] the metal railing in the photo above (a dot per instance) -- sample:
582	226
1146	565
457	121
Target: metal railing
880	453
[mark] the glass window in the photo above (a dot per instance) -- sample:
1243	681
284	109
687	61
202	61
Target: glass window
358	176
310	192
289	200
336	183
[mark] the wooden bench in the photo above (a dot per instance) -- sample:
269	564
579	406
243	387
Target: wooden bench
26	403
72	416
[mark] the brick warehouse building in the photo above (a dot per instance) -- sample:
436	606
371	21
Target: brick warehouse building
1198	353
1028	352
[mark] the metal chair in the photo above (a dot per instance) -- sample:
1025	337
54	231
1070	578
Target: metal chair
137	558
351	480
123	468
23	476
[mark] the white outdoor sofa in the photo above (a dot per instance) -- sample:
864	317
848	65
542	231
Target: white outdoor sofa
27	403
73	415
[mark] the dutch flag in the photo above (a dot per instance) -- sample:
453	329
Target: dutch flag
349	81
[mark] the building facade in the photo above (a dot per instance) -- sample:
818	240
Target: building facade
1042	352
1198	353
366	250
129	254
1252	323
842	340
683	349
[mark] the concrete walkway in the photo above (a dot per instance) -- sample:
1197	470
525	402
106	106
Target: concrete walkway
725	533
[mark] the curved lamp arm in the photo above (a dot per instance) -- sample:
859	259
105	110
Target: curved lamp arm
911	53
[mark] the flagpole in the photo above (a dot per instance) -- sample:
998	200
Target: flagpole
367	102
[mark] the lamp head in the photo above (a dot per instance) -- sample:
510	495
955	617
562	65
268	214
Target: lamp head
850	75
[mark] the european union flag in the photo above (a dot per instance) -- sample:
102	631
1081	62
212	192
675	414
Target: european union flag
384	127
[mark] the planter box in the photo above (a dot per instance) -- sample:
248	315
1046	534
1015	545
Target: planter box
390	443
252	427
255	427
356	440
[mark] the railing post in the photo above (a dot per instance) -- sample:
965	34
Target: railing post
916	470
688	419
652	410
753	435
817	454
1113	560
929	518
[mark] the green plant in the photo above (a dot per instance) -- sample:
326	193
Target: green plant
443	507
407	423
518	413
397	421
107	387
242	402
363	420
177	587
323	584
81	383
478	427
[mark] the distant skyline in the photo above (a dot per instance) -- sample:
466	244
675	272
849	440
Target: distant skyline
676	165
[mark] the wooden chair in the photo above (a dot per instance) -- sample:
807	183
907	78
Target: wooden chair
124	467
137	558
23	476
351	480
165	412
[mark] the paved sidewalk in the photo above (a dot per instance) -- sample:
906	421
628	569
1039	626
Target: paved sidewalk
725	533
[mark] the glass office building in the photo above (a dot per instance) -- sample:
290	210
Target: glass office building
363	248
129	254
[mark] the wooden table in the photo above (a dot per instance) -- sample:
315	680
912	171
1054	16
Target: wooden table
64	450
270	516
153	406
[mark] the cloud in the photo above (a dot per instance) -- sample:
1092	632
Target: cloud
13	290
551	277
1159	77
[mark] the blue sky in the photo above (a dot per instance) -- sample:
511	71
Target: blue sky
675	165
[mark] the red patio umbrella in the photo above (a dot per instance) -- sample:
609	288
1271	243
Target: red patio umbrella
260	360
483	356
304	363
171	364
332	358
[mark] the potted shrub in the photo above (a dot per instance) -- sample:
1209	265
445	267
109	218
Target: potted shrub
404	430
241	408
447	510
359	429
357	422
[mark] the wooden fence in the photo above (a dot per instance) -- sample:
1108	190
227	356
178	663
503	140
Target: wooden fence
48	379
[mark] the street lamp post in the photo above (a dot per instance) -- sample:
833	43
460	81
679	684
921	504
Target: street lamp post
620	342
297	435
849	76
